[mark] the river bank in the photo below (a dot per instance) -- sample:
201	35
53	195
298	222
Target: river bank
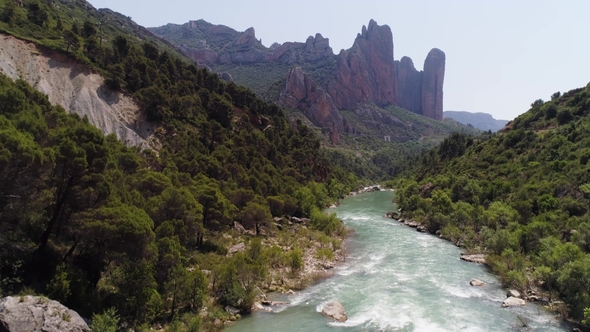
534	295
395	279
317	265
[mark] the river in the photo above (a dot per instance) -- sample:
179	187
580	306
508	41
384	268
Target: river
397	279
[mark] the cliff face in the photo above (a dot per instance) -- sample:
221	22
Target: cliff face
316	81
366	72
409	85
211	45
432	84
302	93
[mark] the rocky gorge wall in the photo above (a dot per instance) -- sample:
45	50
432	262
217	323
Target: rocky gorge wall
364	74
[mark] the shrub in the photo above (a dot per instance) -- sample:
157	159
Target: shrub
105	322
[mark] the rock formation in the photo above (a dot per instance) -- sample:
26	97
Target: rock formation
220	45
302	93
319	83
432	84
409	85
366	72
34	313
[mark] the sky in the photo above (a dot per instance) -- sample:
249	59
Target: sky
501	55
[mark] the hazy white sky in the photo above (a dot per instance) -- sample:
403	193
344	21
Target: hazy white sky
501	54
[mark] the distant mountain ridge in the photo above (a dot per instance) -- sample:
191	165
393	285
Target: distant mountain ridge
309	77
479	120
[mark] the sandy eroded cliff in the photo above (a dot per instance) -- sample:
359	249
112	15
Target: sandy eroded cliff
77	89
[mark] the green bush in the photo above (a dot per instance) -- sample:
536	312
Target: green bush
107	321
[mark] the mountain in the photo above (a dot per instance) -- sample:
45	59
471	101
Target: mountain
521	196
482	121
309	77
130	178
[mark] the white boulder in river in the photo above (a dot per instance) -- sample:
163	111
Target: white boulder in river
36	314
335	310
513	302
513	293
476	282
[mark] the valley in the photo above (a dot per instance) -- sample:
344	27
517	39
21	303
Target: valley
190	178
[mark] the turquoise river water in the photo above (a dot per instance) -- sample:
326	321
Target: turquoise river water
397	279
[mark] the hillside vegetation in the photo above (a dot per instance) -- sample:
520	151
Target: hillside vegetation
521	196
143	236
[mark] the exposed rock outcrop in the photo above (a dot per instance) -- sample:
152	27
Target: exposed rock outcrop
409	85
302	93
319	83
432	84
237	248
76	88
335	310
366	72
218	44
34	313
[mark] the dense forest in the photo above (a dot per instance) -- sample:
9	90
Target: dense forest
521	196
136	237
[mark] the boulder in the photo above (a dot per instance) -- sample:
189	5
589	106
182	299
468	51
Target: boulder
238	247
335	310
421	229
239	228
476	282
513	293
513	302
257	306
231	310
35	313
477	258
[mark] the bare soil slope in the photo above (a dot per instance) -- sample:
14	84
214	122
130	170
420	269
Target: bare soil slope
77	89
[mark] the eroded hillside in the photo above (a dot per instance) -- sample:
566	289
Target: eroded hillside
77	89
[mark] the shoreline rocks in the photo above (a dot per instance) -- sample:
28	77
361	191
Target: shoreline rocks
335	310
257	306
513	302
476	258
